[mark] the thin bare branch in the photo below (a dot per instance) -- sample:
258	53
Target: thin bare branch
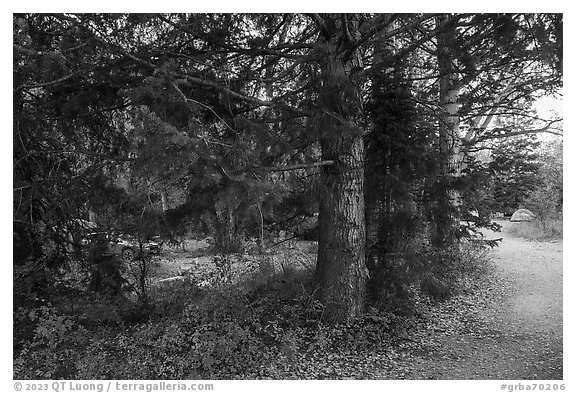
298	166
188	100
45	84
505	132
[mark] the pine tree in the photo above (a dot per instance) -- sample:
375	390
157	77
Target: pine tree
515	167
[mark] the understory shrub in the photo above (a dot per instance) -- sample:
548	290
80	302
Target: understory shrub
258	326
51	352
551	229
450	270
419	269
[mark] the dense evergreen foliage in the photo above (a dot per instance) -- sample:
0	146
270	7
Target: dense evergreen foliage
362	132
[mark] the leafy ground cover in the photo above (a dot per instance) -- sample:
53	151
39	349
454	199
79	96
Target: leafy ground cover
511	328
504	324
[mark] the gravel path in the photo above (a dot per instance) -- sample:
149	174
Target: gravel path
517	337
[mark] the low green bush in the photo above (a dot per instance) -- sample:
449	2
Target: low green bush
51	352
419	269
256	327
538	230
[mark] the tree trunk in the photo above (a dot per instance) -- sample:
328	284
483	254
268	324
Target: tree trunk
376	170
164	199
447	215
341	270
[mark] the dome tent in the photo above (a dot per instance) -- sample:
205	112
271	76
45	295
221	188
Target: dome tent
523	215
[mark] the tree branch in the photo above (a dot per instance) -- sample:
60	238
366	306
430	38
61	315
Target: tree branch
54	82
243	97
502	132
405	51
298	166
319	21
188	100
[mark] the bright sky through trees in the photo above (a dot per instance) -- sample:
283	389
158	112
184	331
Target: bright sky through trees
549	107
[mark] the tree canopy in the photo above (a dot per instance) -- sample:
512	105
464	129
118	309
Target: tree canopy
235	124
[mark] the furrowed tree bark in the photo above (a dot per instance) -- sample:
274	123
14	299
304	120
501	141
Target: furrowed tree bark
341	272
447	217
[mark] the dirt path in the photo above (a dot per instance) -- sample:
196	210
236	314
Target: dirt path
518	337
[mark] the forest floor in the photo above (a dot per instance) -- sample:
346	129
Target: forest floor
507	326
516	333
